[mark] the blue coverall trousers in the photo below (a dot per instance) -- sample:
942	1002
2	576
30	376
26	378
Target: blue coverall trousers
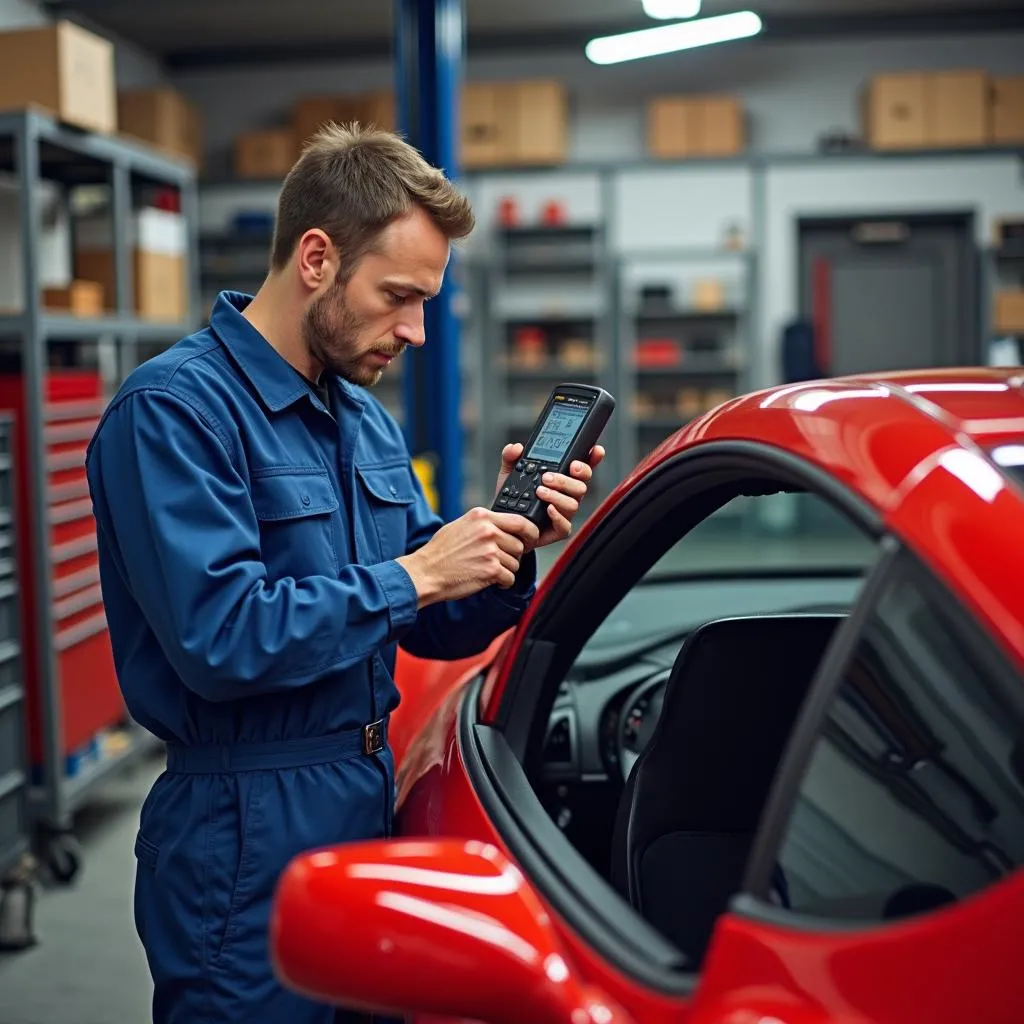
216	831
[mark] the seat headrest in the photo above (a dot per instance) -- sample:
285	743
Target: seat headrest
729	704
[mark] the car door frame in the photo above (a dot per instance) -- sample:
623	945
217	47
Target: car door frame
497	737
752	922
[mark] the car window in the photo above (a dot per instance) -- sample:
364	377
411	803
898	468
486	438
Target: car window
914	794
753	556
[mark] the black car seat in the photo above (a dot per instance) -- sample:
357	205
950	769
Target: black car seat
688	814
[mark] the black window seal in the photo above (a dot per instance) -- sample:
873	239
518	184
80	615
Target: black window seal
721	464
561	876
899	561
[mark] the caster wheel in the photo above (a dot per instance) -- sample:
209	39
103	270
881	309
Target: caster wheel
63	857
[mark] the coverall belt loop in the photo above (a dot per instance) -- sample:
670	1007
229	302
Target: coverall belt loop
277	754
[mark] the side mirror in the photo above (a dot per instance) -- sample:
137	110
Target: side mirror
447	928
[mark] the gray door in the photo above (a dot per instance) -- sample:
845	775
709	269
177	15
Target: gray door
891	293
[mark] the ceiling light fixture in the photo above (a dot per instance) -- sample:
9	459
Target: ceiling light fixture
667	10
685	35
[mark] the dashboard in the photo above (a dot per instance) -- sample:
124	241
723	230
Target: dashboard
608	705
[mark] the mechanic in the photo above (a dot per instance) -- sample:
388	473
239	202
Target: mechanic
265	544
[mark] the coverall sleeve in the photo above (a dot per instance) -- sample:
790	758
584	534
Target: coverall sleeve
451	630
179	520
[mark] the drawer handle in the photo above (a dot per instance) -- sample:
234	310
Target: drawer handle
71	512
65	492
77	602
66	460
83	631
55	412
72	549
71	432
64	585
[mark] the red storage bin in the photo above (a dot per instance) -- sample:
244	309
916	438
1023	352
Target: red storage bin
86	683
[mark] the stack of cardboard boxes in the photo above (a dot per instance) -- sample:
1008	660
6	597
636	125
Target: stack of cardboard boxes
681	127
956	109
502	124
68	73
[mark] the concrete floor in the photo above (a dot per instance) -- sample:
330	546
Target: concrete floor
88	967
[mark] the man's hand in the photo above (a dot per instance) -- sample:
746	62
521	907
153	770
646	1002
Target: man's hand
563	493
478	550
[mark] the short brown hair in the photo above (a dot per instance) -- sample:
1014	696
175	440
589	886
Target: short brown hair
351	182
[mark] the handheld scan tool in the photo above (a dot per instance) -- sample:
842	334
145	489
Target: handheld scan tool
568	428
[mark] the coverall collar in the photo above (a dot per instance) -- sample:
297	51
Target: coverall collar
276	381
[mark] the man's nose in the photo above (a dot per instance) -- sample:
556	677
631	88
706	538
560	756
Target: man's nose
410	328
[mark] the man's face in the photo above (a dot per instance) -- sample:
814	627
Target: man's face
355	329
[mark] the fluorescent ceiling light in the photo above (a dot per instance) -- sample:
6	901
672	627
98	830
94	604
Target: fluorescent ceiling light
667	10
684	35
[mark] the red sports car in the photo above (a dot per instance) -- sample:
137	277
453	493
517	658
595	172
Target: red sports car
755	755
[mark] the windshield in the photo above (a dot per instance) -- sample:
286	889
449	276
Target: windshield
774	533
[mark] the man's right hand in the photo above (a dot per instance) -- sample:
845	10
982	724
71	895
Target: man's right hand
478	550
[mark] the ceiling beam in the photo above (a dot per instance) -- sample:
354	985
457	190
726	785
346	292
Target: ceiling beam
776	28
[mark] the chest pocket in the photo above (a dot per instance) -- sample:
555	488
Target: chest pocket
297	510
389	492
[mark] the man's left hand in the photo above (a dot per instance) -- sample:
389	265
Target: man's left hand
562	493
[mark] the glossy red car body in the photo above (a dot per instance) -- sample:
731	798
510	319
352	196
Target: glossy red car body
912	446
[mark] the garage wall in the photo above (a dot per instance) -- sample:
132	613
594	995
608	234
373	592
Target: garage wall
794	92
988	187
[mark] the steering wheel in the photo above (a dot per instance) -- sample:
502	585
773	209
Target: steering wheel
637	719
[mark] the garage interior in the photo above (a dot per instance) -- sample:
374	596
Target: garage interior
838	189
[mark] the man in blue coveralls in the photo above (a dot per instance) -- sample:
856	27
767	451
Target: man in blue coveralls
264	546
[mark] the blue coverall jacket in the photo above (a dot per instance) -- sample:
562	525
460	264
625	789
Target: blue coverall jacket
247	545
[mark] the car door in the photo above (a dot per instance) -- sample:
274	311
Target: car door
897	821
505	722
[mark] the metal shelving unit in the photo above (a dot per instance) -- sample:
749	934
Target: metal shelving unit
685	334
64	628
549	318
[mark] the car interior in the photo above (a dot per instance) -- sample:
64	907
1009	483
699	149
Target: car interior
668	726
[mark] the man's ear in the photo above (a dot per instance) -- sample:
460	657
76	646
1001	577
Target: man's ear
316	259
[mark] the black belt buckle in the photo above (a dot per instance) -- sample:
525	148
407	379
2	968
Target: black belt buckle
373	737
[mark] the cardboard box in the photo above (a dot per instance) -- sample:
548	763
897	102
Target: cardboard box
1008	312
921	110
312	112
1006	110
269	153
523	123
159	263
80	298
957	109
535	117
63	69
379	109
162	118
679	127
483	141
895	111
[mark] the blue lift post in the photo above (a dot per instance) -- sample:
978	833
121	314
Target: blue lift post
429	44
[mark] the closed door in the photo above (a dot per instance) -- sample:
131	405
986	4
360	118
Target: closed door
890	293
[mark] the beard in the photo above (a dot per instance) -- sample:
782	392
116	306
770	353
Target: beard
332	332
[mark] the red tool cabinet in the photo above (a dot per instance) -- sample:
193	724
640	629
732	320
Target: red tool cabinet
71	655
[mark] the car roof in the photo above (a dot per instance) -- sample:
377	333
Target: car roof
871	430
